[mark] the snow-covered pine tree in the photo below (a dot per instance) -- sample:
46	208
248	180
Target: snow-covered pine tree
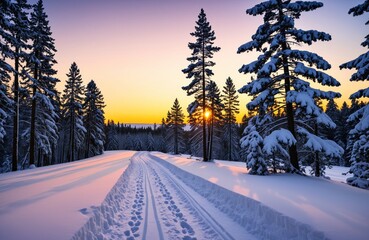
333	112
231	109
199	70
6	103
19	35
44	130
5	68
279	68
175	125
93	120
72	113
252	144
195	133
342	132
150	146
214	119
111	133
359	135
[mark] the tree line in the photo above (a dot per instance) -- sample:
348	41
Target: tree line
288	129
41	125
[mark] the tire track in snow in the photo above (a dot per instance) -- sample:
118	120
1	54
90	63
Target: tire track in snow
150	206
149	202
204	214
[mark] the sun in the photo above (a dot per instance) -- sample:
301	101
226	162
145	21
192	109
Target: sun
207	114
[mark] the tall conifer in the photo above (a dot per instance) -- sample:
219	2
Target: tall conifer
282	72
199	70
359	135
72	100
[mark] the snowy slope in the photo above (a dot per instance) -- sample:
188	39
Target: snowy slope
47	203
338	210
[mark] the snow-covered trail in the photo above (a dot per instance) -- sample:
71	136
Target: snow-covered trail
150	202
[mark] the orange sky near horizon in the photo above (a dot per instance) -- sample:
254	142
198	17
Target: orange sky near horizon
135	50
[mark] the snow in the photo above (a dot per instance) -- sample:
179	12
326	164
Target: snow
272	142
109	197
44	203
338	210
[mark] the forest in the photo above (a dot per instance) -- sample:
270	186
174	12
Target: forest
290	123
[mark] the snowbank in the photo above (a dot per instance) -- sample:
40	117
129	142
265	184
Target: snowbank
54	202
336	209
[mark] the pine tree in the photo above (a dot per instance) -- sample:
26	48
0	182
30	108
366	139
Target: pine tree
279	68
333	112
195	135
111	133
342	133
72	112
231	109
252	144
359	135
199	69
18	29
6	103
93	120
44	130
5	68
175	124
215	119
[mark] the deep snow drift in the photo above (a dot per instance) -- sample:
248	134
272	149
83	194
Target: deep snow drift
92	198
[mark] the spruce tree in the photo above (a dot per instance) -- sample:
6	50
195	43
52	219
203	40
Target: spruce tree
252	145
175	124
5	68
111	134
359	135
72	100
231	109
44	130
282	72
18	29
199	70
333	112
215	119
93	120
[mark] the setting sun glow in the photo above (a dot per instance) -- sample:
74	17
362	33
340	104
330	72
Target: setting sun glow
207	114
135	50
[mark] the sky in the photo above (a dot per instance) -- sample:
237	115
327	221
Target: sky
135	50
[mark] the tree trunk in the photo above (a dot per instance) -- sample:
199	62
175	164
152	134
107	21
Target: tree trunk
211	137
16	113
176	139
205	157
88	136
230	142
289	108
317	160
71	138
32	149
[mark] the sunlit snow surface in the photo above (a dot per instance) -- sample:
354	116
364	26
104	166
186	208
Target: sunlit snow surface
73	199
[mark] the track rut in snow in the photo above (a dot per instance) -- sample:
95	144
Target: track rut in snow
150	202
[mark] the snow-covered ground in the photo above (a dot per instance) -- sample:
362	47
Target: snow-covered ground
49	202
336	209
174	197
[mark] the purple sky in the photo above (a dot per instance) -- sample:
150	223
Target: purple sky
135	50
